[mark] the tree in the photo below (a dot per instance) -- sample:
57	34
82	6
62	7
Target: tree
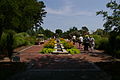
100	32
69	33
112	25
48	33
73	29
20	15
85	30
58	32
112	19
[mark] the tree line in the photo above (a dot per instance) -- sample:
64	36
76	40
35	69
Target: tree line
19	16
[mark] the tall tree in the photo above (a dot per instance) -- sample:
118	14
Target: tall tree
58	32
48	33
112	19
85	30
20	15
101	32
112	25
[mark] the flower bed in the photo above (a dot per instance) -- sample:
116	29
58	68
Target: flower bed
49	46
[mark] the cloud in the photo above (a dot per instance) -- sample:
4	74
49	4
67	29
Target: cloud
69	9
61	11
85	13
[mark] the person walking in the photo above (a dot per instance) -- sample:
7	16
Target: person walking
92	43
86	42
80	41
74	39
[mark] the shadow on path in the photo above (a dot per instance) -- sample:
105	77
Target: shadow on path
61	67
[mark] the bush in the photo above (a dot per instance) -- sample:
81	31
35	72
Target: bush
73	51
114	44
22	39
46	50
68	45
3	41
50	43
101	42
6	42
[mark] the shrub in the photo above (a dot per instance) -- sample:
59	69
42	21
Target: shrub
50	43
101	42
6	42
3	40
68	45
114	44
73	51
46	50
23	38
62	39
30	40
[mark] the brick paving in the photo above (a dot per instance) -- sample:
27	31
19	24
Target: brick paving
56	67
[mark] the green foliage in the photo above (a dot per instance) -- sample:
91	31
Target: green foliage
48	33
20	15
112	20
58	32
114	41
67	45
3	40
112	25
50	44
46	50
73	51
101	42
21	39
6	42
101	32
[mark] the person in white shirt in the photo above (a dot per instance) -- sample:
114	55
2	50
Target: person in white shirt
74	39
80	41
92	43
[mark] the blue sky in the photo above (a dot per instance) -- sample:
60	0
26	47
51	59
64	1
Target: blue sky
64	14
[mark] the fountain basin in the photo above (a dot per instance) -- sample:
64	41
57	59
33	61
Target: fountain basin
59	49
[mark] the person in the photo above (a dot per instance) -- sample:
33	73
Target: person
80	41
74	39
92	43
86	42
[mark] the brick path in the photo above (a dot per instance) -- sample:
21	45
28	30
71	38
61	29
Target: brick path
57	67
60	67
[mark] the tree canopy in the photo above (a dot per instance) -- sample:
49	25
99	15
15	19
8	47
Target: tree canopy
20	15
112	18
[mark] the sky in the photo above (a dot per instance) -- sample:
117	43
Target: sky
65	14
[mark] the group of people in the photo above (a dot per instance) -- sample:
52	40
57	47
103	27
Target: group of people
85	42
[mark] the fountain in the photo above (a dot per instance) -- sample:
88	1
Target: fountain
59	48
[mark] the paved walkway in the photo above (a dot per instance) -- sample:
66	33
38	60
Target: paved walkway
61	75
61	67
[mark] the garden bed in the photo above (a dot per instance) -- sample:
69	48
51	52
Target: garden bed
66	47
